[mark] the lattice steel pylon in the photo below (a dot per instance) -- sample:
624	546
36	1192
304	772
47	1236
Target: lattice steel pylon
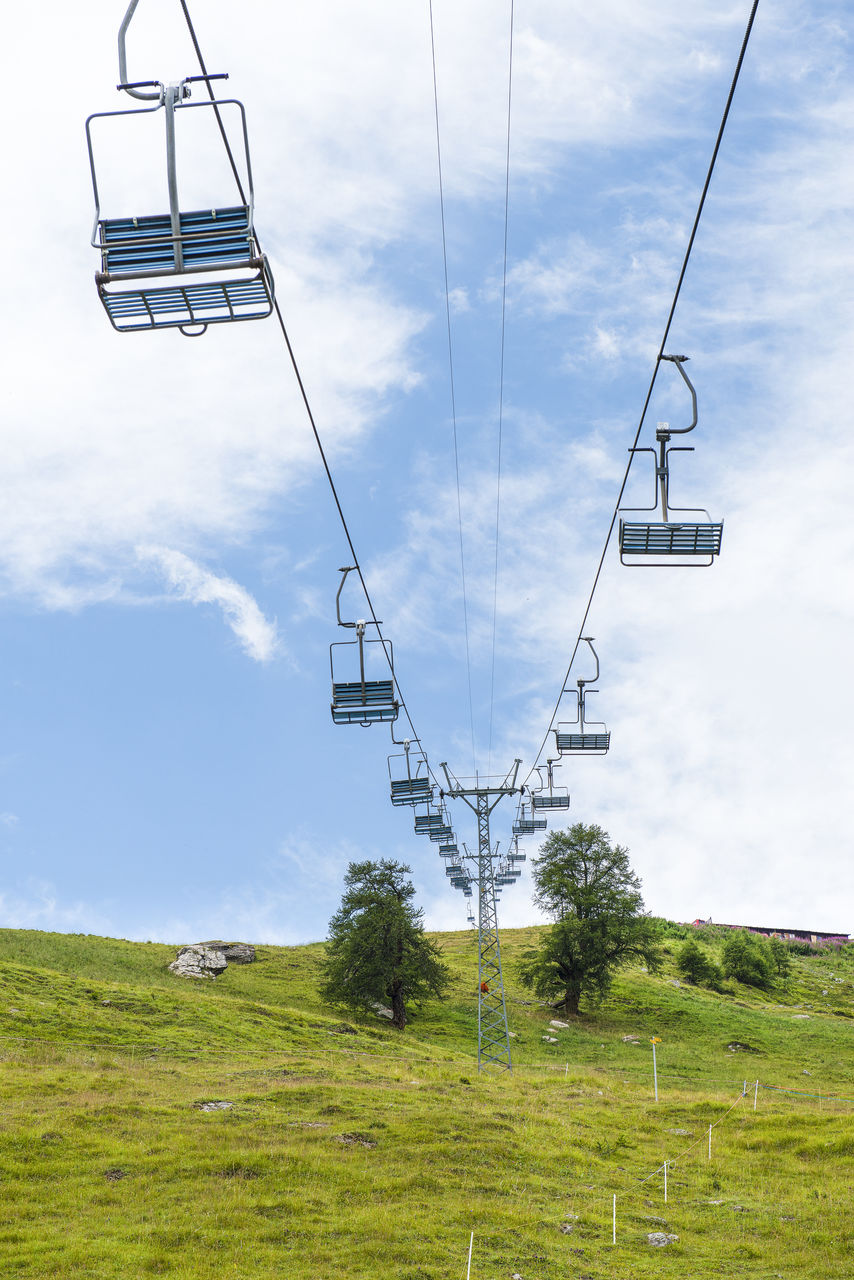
493	1040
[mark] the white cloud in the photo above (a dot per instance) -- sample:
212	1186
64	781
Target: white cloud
459	300
39	905
257	635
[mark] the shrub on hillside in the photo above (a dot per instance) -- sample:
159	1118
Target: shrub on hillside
694	966
796	948
781	957
749	959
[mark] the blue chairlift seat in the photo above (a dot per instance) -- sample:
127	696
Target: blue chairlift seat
363	702
453	869
516	857
217	240
568	742
546	801
427	822
450	850
527	826
411	791
670	538
137	251
440	834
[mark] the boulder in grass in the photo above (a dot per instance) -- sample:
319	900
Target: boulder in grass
661	1238
198	961
234	952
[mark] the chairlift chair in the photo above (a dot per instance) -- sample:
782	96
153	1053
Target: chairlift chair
551	798
181	269
524	826
361	701
516	854
582	741
415	787
667	541
426	823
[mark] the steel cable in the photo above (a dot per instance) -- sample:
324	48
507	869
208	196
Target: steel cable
304	395
658	358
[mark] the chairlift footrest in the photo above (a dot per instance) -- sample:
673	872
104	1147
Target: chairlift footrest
144	306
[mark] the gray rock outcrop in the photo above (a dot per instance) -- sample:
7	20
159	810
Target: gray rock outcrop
198	961
234	952
207	959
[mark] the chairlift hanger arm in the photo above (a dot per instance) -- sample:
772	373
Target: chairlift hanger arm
128	85
589	641
679	362
360	624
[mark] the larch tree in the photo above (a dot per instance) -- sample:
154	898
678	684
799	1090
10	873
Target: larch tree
378	953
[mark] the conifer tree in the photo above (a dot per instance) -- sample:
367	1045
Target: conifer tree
378	952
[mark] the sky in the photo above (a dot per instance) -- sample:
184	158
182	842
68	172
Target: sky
169	547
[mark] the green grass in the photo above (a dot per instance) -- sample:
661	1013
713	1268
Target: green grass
351	1150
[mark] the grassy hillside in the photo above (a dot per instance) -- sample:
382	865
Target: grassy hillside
348	1149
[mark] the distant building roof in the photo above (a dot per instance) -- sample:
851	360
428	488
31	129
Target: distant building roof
808	935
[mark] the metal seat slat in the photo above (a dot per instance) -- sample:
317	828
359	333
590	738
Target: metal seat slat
371	692
425	822
671	538
410	790
583	741
526	826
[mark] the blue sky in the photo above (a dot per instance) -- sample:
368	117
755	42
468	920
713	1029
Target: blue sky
169	547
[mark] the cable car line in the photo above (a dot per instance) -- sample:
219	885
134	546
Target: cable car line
356	566
493	1047
501	391
453	393
370	701
658	361
217	114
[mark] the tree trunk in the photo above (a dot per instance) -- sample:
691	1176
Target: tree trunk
571	1001
398	1008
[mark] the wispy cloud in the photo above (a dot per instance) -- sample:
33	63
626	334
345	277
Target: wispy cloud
257	635
38	904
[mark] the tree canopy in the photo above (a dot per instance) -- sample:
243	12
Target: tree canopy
753	960
694	966
378	952
589	889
